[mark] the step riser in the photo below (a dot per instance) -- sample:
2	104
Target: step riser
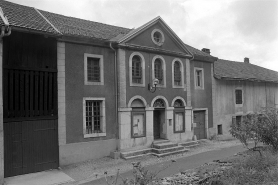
136	153
160	142
174	153
165	146
167	150
189	143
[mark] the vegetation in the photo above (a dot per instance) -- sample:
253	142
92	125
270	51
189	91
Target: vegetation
258	127
251	169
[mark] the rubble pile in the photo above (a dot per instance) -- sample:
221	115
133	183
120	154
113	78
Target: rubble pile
199	176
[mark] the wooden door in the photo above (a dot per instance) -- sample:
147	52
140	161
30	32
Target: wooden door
30	104
156	124
199	121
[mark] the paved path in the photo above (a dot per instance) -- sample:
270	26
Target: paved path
182	164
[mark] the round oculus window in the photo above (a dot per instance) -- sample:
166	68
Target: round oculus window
157	37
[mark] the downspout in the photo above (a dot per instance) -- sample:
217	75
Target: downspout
116	93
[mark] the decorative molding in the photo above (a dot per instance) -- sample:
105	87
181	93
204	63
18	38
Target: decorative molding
160	97
137	97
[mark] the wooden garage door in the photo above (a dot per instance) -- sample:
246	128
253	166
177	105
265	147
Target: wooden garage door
30	104
199	121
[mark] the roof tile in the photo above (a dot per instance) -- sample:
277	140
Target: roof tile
25	17
78	27
231	70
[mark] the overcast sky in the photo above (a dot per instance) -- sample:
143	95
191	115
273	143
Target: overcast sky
231	29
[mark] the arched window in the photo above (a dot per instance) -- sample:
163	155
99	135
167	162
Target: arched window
177	73
136	69
159	103
178	103
158	70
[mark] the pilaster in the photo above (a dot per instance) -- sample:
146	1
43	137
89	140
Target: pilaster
61	93
121	62
188	88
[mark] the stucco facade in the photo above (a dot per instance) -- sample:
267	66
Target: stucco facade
256	95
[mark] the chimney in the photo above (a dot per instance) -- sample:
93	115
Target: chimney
246	60
206	50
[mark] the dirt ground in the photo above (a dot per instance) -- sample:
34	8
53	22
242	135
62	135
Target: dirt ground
94	169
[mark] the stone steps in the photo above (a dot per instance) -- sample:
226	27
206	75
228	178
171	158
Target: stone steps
160	148
190	144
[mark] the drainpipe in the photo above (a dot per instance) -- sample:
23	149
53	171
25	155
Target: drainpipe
116	92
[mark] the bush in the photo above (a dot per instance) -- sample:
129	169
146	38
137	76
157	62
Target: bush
258	127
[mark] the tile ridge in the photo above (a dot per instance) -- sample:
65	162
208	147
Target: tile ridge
47	20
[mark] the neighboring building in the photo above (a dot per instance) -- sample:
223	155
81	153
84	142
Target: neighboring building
75	90
240	88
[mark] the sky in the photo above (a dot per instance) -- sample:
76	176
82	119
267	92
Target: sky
231	29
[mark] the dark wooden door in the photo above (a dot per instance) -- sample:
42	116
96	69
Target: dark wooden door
199	120
156	124
30	104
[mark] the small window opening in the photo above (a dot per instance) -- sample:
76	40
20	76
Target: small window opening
219	129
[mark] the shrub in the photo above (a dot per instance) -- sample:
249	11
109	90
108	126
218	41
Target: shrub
258	127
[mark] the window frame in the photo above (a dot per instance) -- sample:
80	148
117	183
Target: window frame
86	56
142	67
162	37
138	111
179	110
202	78
163	70
235	96
173	74
103	120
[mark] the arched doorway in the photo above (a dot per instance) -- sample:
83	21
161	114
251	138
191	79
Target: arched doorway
158	118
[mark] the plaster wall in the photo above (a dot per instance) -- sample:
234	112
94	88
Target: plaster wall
79	152
255	96
168	92
202	98
145	39
76	89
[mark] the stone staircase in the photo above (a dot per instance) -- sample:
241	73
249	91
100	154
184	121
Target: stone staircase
160	148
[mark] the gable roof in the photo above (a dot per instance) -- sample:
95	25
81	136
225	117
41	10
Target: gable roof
231	70
71	26
30	18
140	29
25	17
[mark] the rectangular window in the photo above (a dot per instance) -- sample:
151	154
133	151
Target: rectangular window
158	72
199	78
238	120
219	130
238	93
94	117
179	121
93	69
138	124
136	72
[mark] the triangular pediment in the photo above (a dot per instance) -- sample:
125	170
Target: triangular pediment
143	36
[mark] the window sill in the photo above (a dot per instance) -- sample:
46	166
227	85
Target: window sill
134	137
178	87
238	105
95	135
199	88
137	85
178	132
94	83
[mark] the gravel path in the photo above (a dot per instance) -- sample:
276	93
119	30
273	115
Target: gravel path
94	169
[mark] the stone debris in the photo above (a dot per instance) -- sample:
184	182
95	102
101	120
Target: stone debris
201	177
